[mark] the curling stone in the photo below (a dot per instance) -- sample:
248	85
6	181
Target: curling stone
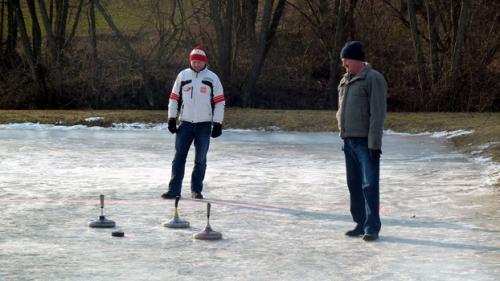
176	222
208	233
102	222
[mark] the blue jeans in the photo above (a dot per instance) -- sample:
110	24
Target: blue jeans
363	175
186	134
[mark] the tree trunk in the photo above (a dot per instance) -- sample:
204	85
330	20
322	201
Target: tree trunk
51	11
334	55
459	44
433	44
267	33
224	34
36	32
2	17
455	15
146	77
248	13
36	69
351	23
75	24
492	48
422	75
25	42
166	35
62	7
228	39
12	28
48	30
55	54
95	64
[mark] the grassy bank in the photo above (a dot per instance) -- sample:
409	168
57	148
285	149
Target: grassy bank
486	126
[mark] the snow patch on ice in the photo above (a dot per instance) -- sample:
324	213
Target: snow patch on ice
492	169
440	134
38	126
481	148
93	119
451	134
164	126
240	130
116	126
272	128
139	126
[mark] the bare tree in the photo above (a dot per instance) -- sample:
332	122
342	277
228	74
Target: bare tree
62	7
247	11
493	41
454	17
331	22
55	53
12	28
459	43
422	74
75	23
36	33
143	67
167	26
2	19
222	16
339	31
95	64
268	27
36	68
433	37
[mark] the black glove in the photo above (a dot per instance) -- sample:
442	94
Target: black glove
172	125
216	130
374	153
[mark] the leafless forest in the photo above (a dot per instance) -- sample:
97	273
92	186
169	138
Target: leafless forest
437	55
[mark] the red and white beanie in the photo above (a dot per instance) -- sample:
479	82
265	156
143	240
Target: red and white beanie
198	54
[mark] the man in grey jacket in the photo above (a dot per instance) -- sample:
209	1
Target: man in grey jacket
362	109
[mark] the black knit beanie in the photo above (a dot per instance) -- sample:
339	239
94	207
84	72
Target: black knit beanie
353	50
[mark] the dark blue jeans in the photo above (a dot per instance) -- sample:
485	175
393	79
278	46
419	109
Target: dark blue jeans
186	134
363	175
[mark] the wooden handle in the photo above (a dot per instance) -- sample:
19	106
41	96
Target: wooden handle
208	210
177	198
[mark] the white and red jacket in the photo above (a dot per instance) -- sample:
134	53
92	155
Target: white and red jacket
199	97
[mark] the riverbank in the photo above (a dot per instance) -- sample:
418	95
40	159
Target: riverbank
483	139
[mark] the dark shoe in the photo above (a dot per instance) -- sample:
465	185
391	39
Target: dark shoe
170	195
370	236
196	195
357	231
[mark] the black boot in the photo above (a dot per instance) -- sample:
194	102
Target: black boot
170	195
196	195
357	231
370	236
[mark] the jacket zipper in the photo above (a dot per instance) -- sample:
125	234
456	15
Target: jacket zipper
192	88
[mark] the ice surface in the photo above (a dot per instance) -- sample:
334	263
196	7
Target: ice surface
279	199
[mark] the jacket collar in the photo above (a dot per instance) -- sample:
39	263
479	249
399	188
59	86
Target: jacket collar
201	71
360	76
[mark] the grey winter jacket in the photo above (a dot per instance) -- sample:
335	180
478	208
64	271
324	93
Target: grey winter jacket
362	106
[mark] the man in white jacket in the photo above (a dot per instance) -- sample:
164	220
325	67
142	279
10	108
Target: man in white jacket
198	99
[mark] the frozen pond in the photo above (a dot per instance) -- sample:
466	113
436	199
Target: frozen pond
279	199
